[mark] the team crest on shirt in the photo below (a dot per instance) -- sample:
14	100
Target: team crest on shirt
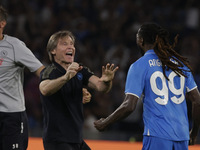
3	53
79	76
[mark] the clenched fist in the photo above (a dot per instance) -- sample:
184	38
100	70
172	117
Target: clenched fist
86	96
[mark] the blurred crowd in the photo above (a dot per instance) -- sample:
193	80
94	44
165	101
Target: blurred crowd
105	31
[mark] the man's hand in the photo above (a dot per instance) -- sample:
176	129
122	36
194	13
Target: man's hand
72	70
86	96
100	124
108	72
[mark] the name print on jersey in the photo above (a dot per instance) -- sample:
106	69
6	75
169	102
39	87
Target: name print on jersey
157	62
154	62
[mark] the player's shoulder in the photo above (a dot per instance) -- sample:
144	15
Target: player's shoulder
47	71
142	61
13	40
49	68
148	58
137	65
86	69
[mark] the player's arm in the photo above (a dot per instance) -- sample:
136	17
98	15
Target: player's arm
194	96
124	110
104	83
49	87
98	85
37	72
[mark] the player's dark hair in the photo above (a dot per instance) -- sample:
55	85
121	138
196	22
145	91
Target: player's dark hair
159	37
3	14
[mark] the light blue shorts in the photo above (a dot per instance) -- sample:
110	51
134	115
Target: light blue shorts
155	143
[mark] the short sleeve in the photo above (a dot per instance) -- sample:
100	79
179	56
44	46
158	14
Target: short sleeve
190	83
86	75
135	80
25	57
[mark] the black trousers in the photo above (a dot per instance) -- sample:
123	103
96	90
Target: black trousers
66	146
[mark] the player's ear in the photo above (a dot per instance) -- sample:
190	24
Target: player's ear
53	52
2	24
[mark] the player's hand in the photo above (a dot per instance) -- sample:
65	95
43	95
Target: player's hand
108	72
100	124
86	96
72	70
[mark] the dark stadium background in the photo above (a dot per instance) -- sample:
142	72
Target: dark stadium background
105	31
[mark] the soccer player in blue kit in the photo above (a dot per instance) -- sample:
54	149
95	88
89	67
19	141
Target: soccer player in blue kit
163	77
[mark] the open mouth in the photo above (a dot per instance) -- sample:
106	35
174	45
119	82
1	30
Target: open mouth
69	53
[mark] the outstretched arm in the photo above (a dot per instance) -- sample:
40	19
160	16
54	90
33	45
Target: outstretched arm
194	96
124	110
104	83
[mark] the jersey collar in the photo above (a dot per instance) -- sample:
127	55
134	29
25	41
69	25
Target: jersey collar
59	67
151	51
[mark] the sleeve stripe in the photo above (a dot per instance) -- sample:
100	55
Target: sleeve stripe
188	90
133	94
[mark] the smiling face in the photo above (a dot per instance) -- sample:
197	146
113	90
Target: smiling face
65	51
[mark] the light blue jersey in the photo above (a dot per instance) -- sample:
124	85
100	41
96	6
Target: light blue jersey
165	109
